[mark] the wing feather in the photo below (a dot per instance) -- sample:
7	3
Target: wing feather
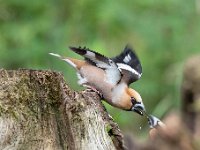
129	65
113	74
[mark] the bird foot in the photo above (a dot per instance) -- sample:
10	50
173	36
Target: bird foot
92	89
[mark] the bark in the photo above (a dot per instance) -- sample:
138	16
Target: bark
39	111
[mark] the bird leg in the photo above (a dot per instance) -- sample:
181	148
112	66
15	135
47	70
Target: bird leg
92	89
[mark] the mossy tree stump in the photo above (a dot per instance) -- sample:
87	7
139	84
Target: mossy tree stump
39	111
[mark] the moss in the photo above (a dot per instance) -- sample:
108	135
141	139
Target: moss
25	93
41	105
15	93
109	129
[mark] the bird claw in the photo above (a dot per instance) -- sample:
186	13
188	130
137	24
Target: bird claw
92	89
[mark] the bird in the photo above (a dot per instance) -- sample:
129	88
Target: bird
110	77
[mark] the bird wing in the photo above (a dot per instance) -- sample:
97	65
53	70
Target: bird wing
113	74
129	65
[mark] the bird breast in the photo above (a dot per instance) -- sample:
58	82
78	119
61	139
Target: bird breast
96	78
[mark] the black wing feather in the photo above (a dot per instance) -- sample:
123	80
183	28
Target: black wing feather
83	51
96	59
129	57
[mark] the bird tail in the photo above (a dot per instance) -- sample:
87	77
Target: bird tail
71	61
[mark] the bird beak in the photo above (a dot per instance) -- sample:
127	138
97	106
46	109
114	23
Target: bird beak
139	108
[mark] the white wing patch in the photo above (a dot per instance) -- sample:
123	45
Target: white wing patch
90	54
127	67
127	58
98	63
112	72
112	75
101	64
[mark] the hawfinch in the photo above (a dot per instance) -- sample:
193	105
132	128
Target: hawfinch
109	76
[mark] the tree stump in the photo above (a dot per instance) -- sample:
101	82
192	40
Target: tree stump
39	111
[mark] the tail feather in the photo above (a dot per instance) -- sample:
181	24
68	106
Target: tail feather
73	62
56	55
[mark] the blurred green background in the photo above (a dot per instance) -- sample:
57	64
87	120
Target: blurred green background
164	34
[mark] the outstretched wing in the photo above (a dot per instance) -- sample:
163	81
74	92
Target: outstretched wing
113	74
129	65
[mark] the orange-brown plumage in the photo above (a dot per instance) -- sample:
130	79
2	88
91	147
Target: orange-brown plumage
103	74
77	62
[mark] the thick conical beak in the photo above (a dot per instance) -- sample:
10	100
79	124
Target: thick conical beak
139	108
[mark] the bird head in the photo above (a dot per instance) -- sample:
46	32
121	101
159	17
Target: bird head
136	102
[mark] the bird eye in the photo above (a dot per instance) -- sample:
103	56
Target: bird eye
133	100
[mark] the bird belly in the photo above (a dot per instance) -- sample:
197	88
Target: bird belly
96	78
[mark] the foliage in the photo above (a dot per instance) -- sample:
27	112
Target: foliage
164	34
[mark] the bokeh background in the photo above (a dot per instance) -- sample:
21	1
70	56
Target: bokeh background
164	34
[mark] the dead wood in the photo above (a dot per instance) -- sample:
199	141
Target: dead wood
39	111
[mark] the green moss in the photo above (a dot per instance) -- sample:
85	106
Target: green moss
28	93
108	128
